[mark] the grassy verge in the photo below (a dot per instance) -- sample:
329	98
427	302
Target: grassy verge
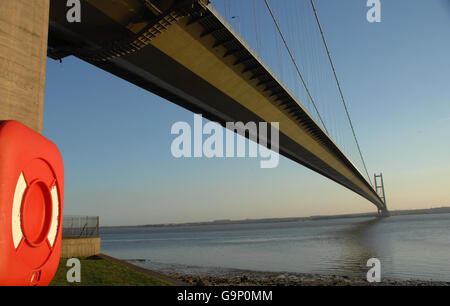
102	272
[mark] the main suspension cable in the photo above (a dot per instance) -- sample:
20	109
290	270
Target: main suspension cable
295	64
339	88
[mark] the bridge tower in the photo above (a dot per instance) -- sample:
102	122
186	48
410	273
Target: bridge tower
379	189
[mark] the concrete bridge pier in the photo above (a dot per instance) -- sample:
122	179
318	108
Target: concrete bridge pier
23	54
383	213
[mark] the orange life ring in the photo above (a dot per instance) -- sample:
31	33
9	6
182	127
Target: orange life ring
31	206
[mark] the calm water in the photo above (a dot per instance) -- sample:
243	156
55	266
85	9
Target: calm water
409	247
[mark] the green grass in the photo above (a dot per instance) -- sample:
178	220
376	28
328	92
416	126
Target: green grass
102	272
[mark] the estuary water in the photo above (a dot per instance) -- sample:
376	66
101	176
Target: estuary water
409	247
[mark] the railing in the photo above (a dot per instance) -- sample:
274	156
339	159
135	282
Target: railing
80	226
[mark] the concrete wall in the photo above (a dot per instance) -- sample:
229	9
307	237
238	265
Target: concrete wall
23	55
80	247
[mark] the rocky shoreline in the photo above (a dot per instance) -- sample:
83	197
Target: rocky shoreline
276	279
236	277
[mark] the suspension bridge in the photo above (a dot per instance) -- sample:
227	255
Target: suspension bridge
188	53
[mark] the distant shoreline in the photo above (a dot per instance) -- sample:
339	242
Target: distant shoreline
430	211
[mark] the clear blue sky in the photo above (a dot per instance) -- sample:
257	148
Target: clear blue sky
115	138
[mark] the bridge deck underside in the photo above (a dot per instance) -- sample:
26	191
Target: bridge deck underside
196	61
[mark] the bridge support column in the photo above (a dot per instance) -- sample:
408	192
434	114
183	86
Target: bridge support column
23	55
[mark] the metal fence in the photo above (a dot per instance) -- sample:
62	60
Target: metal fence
81	226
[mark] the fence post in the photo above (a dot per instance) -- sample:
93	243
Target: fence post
98	226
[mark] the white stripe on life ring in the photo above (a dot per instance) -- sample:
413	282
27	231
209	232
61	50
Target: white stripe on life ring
17	203
55	215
